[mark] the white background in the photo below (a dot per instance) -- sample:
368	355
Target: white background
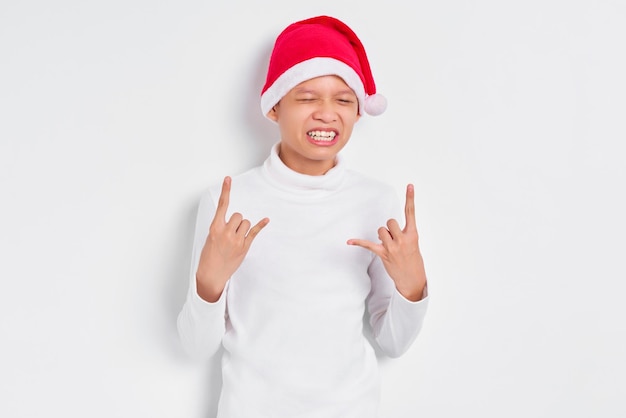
507	115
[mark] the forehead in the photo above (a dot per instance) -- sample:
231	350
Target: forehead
323	83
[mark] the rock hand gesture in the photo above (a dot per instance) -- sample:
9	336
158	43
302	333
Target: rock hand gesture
225	248
400	253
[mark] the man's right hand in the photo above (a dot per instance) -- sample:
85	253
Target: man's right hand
225	248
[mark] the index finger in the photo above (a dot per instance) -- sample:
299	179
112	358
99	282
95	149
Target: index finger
222	203
409	207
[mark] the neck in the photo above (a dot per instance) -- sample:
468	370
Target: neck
309	167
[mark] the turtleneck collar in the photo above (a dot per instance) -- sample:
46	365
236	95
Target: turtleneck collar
283	177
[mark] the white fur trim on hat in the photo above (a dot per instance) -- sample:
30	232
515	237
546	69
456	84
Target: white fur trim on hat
306	70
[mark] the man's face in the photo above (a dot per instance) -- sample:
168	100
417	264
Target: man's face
315	120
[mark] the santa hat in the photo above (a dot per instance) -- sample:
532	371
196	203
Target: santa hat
315	47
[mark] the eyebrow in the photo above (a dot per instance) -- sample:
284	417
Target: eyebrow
339	93
303	90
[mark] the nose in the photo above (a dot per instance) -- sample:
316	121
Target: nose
325	111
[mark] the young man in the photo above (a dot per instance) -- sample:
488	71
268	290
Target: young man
286	298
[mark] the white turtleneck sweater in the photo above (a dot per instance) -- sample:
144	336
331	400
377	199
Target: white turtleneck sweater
291	318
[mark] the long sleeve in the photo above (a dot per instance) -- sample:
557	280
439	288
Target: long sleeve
201	324
290	321
395	320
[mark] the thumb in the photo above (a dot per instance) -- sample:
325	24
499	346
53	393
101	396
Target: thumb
368	245
254	231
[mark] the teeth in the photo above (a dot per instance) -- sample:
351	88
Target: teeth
322	135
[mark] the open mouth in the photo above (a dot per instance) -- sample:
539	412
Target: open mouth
322	136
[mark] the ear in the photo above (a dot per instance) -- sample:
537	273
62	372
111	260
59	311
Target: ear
273	114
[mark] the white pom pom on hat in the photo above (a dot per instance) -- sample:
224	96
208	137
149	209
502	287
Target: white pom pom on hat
376	104
316	47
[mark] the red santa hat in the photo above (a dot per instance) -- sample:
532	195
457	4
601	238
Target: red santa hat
315	47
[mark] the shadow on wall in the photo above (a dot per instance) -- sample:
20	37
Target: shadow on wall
177	286
259	134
